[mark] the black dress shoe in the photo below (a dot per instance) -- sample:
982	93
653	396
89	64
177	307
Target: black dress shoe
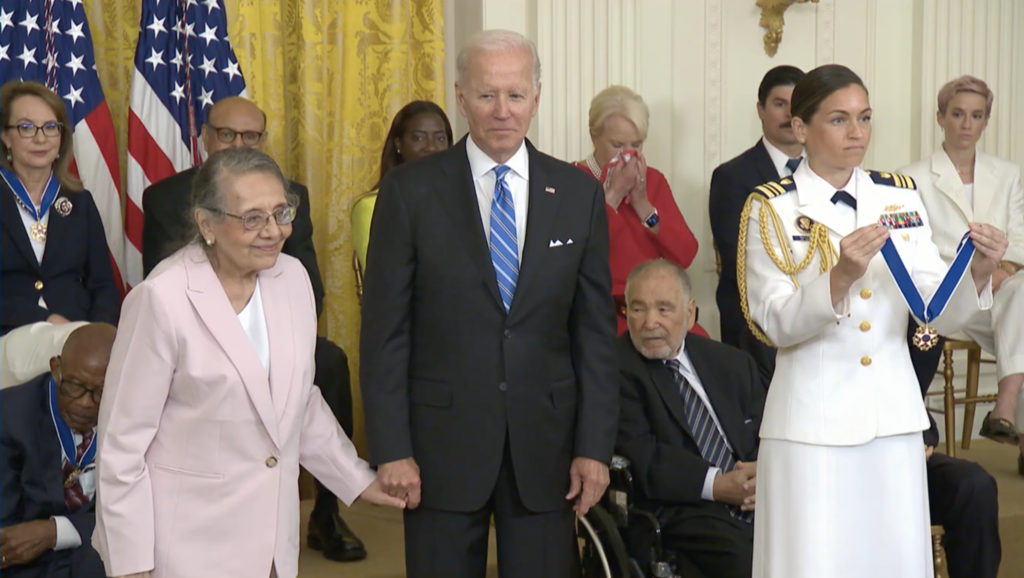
998	429
329	532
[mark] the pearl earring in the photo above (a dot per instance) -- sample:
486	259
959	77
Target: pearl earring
209	241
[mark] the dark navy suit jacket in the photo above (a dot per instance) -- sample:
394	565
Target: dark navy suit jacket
32	483
75	278
731	183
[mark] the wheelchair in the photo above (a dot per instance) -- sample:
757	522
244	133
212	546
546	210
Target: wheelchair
619	540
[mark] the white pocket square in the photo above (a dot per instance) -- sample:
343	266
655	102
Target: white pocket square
555	243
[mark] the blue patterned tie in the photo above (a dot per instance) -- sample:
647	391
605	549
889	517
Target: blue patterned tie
709	440
793	163
504	248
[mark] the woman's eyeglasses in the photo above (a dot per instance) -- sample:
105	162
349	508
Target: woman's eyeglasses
257	220
29	130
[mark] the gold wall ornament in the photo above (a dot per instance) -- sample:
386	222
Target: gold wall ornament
771	18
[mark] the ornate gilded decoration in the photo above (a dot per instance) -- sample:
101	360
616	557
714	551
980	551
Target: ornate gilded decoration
772	19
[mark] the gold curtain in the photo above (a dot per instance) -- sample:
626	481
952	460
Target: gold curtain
330	74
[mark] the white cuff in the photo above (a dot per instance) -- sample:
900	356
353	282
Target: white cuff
708	493
67	534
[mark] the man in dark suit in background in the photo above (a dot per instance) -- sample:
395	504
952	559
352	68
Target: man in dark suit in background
47	512
774	156
490	387
237	122
690	414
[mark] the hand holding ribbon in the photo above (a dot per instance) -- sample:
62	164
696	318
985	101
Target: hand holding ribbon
855	252
990	245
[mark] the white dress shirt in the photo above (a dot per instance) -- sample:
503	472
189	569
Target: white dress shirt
482	168
779	158
254	322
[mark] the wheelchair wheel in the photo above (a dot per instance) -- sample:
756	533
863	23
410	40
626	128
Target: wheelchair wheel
602	552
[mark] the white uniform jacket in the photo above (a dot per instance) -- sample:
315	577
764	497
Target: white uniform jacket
843	376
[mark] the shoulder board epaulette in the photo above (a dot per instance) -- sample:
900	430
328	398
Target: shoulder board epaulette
893	180
775	188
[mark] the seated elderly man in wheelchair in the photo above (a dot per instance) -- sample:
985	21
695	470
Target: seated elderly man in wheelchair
690	414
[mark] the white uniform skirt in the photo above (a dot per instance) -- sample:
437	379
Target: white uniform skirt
842	511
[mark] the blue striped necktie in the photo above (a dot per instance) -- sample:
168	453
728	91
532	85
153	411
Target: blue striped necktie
504	248
705	433
793	163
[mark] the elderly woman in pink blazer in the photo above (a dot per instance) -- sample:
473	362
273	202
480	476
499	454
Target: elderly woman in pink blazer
209	406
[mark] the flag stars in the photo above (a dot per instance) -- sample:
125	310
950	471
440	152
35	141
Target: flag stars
55	26
74	4
178	93
177	61
206	98
3	52
74	96
50	61
208	66
211	5
75	31
209	34
75	64
29	23
27	56
232	70
6	19
157	26
156	58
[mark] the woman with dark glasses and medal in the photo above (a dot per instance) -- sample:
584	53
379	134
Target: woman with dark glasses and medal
53	251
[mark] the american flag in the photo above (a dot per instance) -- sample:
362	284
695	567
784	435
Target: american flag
48	41
183	64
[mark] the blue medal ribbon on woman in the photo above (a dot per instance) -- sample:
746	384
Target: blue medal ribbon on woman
925	337
67	441
38	230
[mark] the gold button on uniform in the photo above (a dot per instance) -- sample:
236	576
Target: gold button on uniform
865	293
865	326
39	285
271	462
865	361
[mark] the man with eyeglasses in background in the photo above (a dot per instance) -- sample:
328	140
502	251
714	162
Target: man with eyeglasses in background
47	472
237	122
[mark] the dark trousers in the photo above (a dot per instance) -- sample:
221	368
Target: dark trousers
708	540
447	544
332	377
963	500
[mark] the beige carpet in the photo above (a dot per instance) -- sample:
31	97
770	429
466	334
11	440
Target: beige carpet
381	529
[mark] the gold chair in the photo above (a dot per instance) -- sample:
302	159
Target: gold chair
359	277
939	553
969	393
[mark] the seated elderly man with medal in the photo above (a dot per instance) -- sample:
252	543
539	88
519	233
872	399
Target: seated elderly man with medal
47	470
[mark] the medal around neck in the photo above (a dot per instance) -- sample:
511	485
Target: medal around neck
925	337
38	229
67	441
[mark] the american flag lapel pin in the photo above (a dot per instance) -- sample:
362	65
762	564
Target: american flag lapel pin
549	190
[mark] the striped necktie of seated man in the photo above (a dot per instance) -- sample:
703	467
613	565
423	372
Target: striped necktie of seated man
503	244
709	440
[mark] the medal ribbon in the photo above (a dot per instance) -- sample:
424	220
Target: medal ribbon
49	193
67	439
949	282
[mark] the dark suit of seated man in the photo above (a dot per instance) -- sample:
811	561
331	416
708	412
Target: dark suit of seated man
47	512
701	485
236	122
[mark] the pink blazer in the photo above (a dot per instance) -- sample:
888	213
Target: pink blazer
199	451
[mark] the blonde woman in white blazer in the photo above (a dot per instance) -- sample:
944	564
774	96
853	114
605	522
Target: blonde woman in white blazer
961	185
841	484
209	406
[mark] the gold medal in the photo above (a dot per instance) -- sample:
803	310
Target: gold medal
72	477
925	337
38	232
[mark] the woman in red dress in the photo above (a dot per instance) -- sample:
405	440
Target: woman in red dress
644	222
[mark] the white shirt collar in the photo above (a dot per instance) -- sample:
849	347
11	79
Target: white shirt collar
480	164
778	157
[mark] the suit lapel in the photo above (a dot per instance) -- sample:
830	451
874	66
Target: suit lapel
664	382
276	308
948	183
763	163
718	396
10	213
461	203
985	186
211	303
50	455
820	208
56	230
539	222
